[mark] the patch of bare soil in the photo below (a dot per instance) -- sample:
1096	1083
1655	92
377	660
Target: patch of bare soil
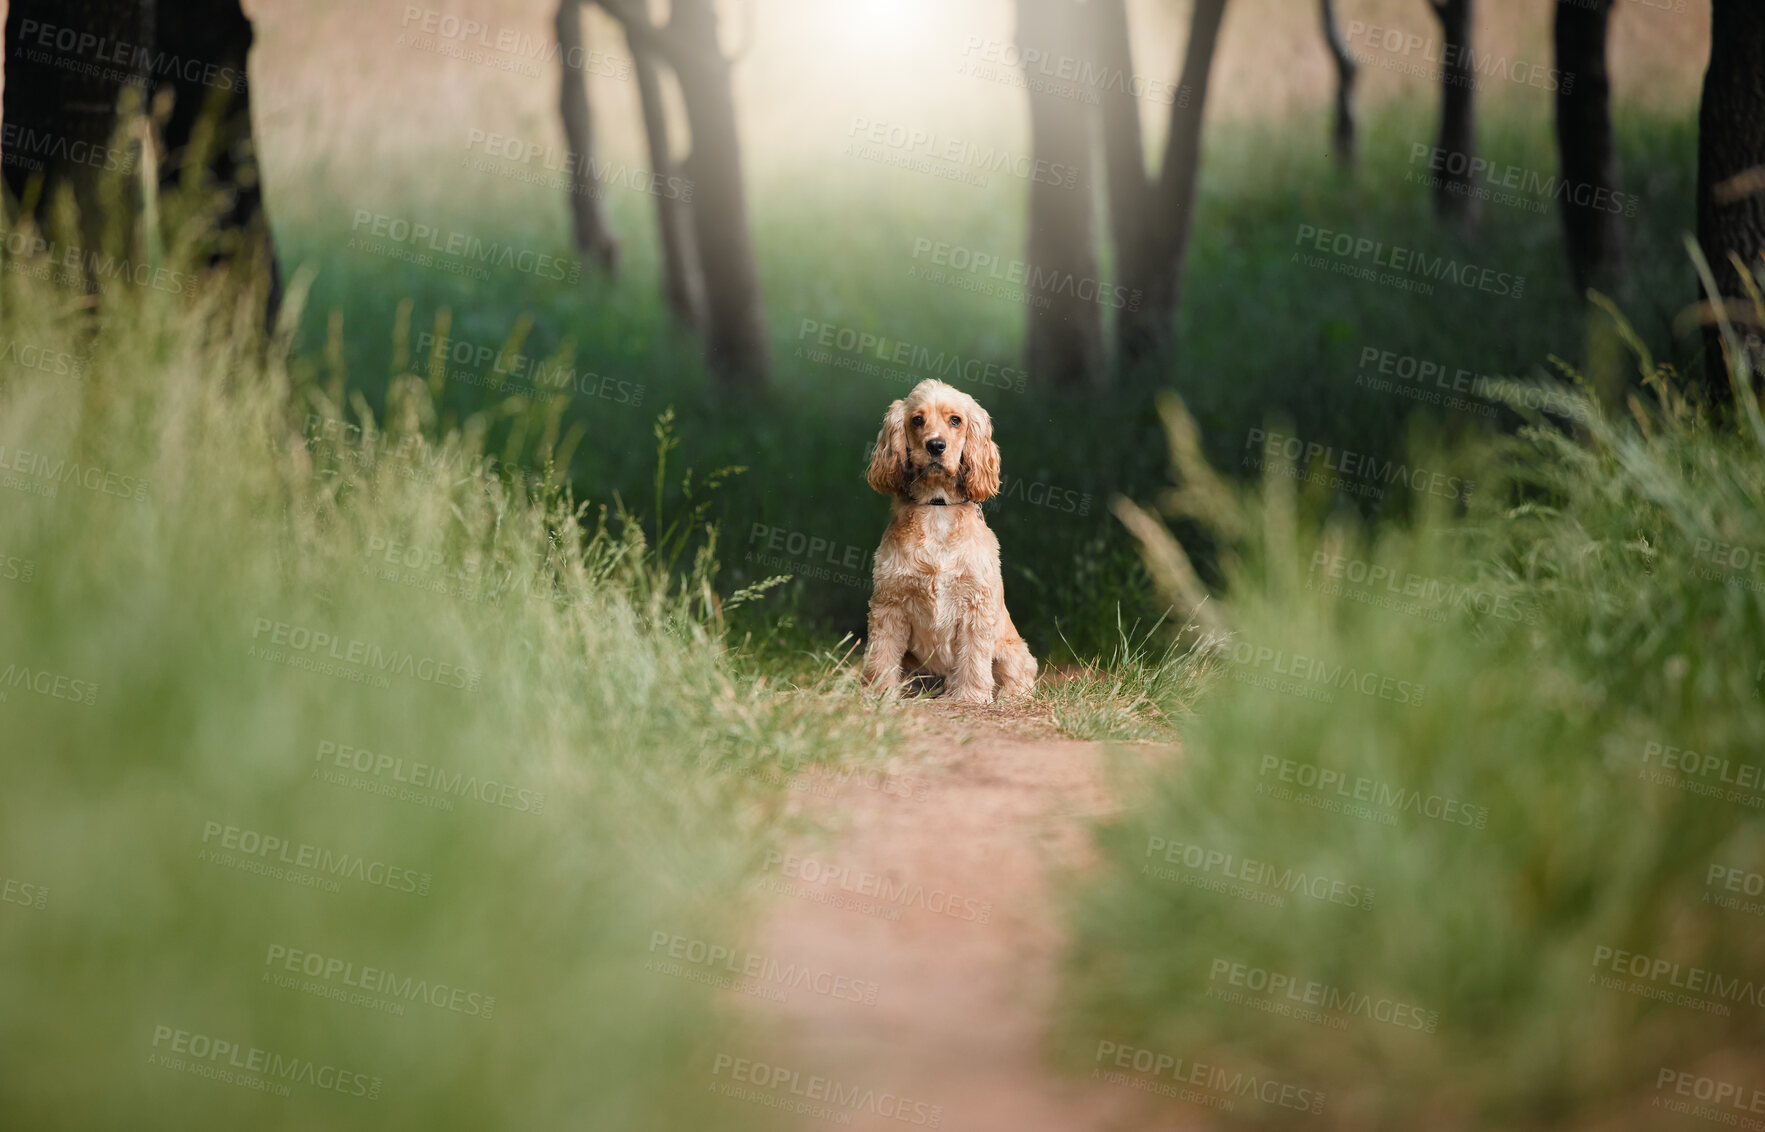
936	890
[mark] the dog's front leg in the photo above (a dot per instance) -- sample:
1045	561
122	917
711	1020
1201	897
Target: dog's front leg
972	680
886	647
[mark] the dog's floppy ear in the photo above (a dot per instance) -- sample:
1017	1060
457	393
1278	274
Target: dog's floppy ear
979	474
888	462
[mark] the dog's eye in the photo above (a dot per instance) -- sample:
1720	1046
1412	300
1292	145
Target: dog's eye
955	422
918	422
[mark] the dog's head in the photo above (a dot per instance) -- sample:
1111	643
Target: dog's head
936	443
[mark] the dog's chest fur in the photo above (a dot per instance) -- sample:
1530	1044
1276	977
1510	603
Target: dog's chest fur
933	561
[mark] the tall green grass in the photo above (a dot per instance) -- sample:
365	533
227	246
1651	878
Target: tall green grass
236	605
1258	335
1436	795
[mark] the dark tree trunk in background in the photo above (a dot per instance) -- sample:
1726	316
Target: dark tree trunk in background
683	286
1731	173
588	212
737	342
1458	116
1152	240
207	48
1063	336
738	347
60	102
1592	227
1342	136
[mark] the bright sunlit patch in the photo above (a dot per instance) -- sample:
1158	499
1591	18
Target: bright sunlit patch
886	22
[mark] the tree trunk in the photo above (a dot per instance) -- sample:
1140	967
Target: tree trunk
738	345
1151	270
1592	230
1731	142
1343	142
588	212
1063	333
1458	122
683	288
62	101
208	138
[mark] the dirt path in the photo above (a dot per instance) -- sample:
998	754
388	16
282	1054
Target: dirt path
983	812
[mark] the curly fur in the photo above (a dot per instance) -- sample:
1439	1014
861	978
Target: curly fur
938	603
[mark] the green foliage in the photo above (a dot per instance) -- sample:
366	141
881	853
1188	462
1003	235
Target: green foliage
1466	735
232	598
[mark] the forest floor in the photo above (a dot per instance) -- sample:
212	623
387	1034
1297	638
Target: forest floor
937	887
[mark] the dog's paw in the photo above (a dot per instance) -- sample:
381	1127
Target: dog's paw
970	695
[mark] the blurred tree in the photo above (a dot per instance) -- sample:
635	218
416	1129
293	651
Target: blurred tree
1149	218
61	108
1063	334
201	64
588	212
1342	137
66	105
682	283
1731	175
1458	122
737	343
1587	152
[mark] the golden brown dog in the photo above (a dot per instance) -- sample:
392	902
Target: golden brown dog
939	599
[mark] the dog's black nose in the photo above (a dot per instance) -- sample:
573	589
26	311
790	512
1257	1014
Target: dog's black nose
936	447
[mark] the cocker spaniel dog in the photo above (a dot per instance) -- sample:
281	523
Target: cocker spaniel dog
939	599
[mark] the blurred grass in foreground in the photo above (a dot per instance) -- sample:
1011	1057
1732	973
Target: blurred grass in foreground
347	746
1438	798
